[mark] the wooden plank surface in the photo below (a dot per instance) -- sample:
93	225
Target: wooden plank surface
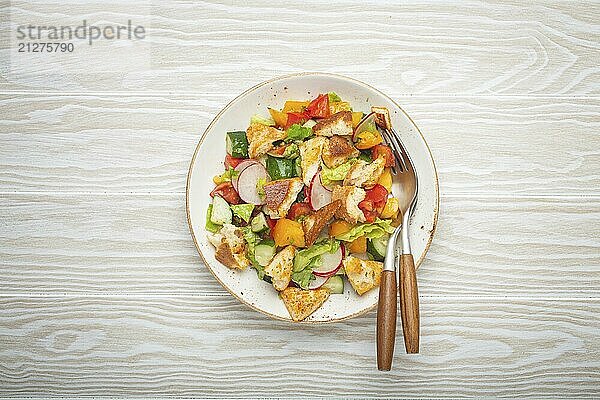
432	47
94	244
184	345
144	144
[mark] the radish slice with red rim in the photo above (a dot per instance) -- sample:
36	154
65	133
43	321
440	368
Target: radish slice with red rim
247	183
320	196
331	263
239	168
318	282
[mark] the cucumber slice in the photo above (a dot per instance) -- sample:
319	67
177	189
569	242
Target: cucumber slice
259	223
377	246
263	254
220	213
280	168
334	284
236	144
210	226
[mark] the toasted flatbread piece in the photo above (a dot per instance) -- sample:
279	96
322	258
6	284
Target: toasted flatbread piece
230	247
338	150
365	174
280	194
280	268
301	303
261	137
338	124
314	223
310	157
363	275
349	196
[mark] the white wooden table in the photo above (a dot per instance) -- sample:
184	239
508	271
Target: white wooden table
101	289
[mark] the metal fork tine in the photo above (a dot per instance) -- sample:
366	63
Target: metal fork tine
404	154
399	160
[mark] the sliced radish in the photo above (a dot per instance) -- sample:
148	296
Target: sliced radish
318	282
320	196
247	182
239	168
366	124
331	263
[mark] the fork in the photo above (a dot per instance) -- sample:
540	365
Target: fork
407	177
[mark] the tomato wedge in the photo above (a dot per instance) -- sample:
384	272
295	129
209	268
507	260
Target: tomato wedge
385	152
377	194
319	107
232	161
298	209
296	118
374	202
227	192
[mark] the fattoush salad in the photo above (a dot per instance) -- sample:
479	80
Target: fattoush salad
305	200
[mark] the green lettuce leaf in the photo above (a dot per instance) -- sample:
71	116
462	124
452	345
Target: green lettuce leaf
330	175
298	132
244	211
333	97
303	257
259	119
226	176
291	151
211	226
252	239
375	230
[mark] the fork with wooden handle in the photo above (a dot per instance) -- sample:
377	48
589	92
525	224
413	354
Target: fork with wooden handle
407	198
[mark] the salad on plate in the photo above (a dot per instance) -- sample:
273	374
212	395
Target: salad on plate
305	199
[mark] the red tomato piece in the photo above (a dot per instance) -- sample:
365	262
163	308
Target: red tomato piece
298	209
232	161
296	118
377	194
227	192
271	223
386	152
319	107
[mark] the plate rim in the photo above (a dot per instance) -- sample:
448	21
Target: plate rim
216	118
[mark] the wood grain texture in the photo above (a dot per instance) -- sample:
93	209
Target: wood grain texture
144	144
431	47
94	244
185	347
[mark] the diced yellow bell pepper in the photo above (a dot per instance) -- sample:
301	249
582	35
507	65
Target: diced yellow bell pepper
287	231
385	179
391	208
356	117
338	106
295	106
279	117
367	139
359	245
338	227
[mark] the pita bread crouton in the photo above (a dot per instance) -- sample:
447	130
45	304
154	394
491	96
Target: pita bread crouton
280	194
314	223
301	303
310	157
365	174
338	150
260	139
363	275
280	268
338	124
349	196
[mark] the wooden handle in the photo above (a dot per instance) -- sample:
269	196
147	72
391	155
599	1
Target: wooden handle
409	303
386	320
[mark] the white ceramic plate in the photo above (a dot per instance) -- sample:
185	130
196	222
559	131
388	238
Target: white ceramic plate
208	161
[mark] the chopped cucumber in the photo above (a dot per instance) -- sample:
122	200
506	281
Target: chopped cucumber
243	211
210	226
263	254
220	213
259	223
237	144
377	246
280	168
334	284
